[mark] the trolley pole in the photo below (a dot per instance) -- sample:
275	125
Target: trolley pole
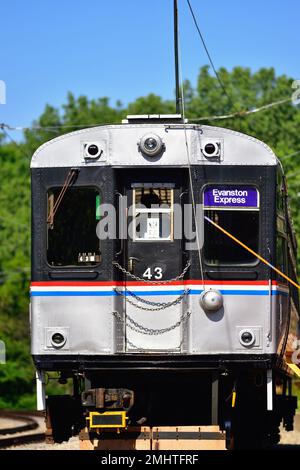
177	82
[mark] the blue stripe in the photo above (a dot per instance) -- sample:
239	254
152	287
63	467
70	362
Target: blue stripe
281	292
101	293
71	294
148	293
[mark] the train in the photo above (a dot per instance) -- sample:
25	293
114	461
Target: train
146	310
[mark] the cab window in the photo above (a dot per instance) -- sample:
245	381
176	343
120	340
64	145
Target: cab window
71	231
236	209
153	213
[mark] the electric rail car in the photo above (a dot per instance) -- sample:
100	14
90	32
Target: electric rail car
149	325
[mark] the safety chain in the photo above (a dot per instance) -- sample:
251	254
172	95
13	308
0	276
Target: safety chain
139	348
134	346
133	325
137	278
157	305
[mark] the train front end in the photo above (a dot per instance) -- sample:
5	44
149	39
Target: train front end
138	297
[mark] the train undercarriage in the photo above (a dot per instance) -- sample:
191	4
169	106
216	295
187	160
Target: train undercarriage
248	400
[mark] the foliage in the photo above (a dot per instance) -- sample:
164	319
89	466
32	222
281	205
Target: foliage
278	127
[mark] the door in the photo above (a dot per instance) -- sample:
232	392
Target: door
155	302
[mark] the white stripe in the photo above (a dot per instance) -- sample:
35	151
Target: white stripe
151	288
103	288
71	288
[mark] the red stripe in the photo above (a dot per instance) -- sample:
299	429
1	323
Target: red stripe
135	283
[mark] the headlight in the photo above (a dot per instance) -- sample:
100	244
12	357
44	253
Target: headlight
151	145
247	338
58	340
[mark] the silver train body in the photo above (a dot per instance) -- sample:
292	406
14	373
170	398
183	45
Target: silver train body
140	312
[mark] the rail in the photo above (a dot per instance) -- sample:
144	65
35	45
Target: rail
21	433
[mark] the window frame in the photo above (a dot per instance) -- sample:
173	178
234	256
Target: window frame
285	265
237	209
80	267
146	210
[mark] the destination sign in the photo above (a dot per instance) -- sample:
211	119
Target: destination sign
226	196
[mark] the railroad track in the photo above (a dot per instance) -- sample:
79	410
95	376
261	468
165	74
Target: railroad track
27	432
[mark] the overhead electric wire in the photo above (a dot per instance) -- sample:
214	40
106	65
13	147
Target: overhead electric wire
209	55
238	114
189	164
244	113
254	253
51	128
4	127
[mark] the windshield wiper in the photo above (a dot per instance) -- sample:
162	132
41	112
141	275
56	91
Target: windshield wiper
70	179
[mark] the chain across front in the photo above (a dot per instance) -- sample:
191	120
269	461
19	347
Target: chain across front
157	306
133	325
140	279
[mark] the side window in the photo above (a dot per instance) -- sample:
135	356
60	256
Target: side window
236	209
71	231
292	272
281	257
153	212
280	193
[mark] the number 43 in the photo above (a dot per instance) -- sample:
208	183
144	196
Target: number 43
156	274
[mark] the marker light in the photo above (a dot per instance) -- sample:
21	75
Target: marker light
211	300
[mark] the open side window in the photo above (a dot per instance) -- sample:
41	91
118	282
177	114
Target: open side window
71	234
236	209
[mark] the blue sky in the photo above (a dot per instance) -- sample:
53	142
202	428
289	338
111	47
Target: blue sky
124	49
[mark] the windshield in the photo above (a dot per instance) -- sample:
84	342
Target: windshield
71	236
234	208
